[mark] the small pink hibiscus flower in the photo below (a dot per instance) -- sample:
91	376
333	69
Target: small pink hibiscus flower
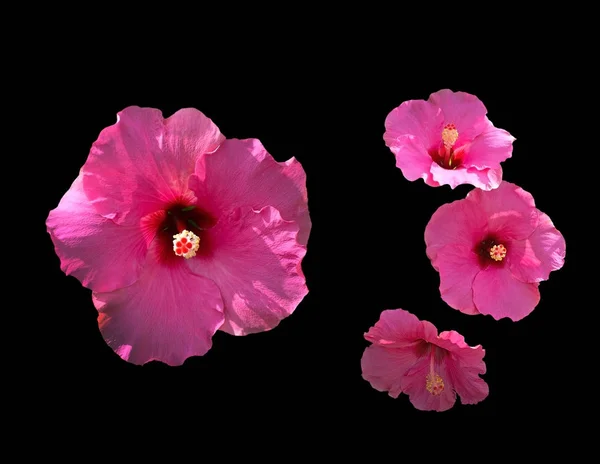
491	250
447	140
408	356
179	232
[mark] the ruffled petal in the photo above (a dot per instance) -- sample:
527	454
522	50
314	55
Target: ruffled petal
413	159
484	179
458	266
489	148
255	259
168	315
242	173
144	161
460	223
102	255
510	210
497	293
399	328
464	367
384	367
417	118
532	259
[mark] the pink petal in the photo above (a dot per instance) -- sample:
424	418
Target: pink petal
464	367
384	367
242	173
493	175
452	341
417	118
101	254
458	266
497	293
471	388
485	179
532	259
460	223
143	161
188	133
399	328
255	259
463	110
413	160
489	148
414	385
510	210
168	315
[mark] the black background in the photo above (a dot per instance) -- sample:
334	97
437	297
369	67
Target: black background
366	251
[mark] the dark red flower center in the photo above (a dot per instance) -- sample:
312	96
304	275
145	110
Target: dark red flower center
181	230
445	154
491	251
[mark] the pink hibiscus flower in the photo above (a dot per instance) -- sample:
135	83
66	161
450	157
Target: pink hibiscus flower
408	356
179	232
491	250
447	140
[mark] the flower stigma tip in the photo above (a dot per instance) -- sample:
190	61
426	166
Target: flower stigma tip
449	135
186	244
498	252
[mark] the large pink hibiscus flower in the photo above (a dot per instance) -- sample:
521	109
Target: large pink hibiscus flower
408	356
179	232
491	250
447	140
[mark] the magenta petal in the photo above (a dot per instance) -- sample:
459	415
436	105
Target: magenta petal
168	315
413	160
463	110
471	388
492	179
460	223
484	179
187	134
416	118
511	210
144	161
458	266
464	367
532	259
101	254
397	328
497	293
410	130
489	149
452	341
384	367
415	380
243	173
255	260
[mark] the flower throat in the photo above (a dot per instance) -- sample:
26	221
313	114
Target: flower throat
182	229
444	154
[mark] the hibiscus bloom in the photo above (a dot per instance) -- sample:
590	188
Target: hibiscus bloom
408	356
447	140
491	250
179	232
